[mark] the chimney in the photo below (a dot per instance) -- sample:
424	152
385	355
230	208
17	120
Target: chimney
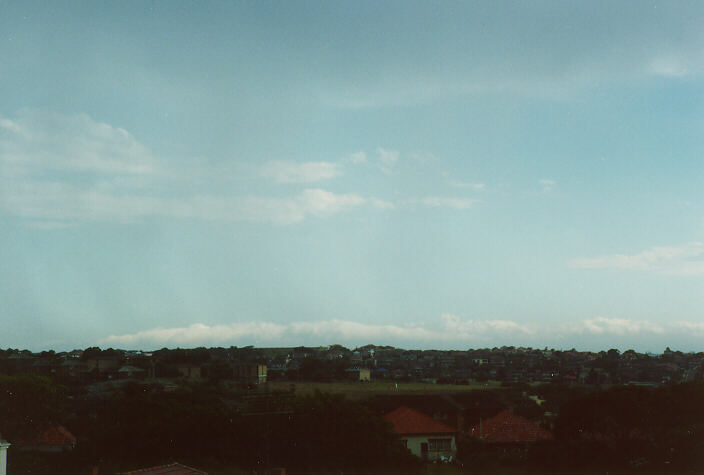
3	456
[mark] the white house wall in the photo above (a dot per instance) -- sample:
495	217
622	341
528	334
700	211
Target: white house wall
414	441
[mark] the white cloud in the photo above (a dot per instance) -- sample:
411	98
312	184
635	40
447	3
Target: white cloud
60	202
452	330
686	259
696	328
321	202
546	184
471	186
59	170
199	333
37	142
382	204
308	172
467	328
615	326
668	66
357	157
387	159
455	203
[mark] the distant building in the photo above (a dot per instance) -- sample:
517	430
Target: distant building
424	437
359	374
250	373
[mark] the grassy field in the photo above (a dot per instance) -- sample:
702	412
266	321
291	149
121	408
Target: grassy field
357	390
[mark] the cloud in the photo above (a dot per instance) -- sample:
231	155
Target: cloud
59	170
320	202
199	333
471	186
546	184
57	201
669	66
455	203
615	326
357	157
467	328
382	204
308	172
696	328
387	159
686	259
451	330
40	141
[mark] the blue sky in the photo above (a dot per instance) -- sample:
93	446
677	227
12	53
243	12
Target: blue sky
421	174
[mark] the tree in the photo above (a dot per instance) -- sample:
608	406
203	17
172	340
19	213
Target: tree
29	403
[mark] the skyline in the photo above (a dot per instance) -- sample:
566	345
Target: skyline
418	175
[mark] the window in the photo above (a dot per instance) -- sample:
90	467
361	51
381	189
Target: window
439	444
404	442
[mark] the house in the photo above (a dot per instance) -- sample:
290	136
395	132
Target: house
169	469
53	439
425	437
508	428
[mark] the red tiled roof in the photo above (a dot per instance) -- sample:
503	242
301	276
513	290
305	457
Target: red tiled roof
170	469
410	421
57	436
507	427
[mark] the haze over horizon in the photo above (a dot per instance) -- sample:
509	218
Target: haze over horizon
416	174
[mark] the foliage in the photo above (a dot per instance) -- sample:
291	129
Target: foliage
28	403
637	426
203	424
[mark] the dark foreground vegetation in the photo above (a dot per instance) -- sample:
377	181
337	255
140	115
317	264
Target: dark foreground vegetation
244	410
225	428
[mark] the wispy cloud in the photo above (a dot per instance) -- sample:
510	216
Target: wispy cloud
307	172
40	141
446	202
387	159
357	157
470	186
669	66
696	328
58	170
614	326
62	203
546	184
686	259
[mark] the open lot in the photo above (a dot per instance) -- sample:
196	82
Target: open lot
359	390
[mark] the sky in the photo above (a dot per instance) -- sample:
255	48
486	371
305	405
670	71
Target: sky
445	175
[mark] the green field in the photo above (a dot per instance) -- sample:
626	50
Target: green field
359	390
